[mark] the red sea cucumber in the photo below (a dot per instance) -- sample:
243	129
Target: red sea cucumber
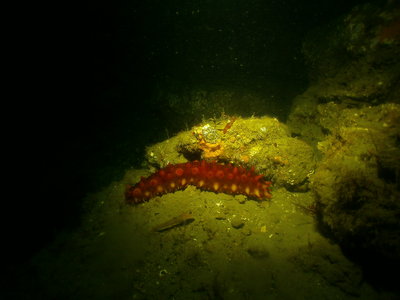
206	176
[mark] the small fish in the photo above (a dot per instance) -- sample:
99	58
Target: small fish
183	219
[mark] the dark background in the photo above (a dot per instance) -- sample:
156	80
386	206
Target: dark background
87	71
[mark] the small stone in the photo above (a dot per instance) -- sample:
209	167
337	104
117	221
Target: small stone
246	232
237	223
258	252
241	199
257	246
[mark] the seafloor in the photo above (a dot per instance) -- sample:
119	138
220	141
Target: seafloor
234	249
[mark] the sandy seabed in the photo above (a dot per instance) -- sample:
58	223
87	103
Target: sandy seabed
233	248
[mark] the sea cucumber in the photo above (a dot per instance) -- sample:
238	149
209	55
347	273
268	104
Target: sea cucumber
206	176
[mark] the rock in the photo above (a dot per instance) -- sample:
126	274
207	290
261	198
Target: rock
258	251
237	222
257	246
356	183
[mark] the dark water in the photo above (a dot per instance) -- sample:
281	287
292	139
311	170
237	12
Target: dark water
105	65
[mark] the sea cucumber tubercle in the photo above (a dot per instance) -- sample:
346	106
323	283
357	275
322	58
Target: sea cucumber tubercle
206	176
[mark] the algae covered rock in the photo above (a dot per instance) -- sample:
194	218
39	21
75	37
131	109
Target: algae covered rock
355	57
161	154
357	183
353	62
263	143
